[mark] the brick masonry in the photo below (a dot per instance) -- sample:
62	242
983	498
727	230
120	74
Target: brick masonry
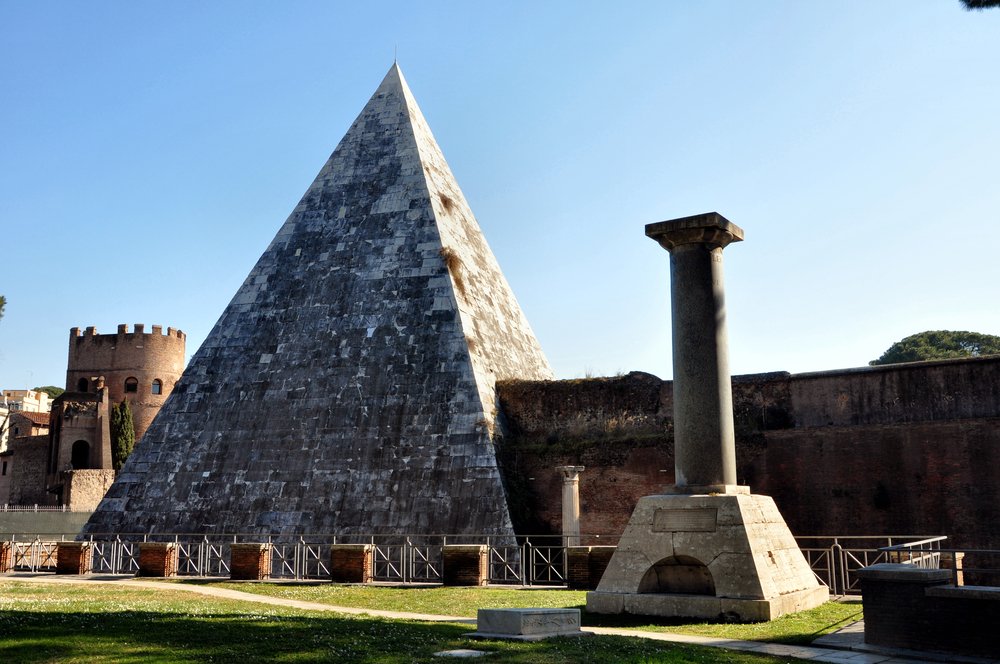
585	565
349	385
464	565
904	449
6	557
351	563
73	557
250	562
27	482
907	607
157	559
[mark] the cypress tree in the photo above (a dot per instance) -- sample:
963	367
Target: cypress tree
122	434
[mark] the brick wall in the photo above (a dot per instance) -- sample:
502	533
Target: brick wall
27	481
918	609
903	449
141	355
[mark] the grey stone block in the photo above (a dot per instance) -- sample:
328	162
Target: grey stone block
527	624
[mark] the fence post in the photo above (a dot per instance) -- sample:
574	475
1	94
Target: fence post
838	579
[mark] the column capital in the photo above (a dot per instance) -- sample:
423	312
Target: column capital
571	473
711	229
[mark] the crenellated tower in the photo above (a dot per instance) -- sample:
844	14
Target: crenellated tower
139	366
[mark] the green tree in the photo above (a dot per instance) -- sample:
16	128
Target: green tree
3	303
122	434
50	390
980	5
939	345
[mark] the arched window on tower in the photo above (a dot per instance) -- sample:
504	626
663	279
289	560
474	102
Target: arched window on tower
157	387
131	385
82	385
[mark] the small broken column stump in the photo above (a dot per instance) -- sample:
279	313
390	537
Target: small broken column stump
527	624
157	559
586	564
465	564
6	557
250	562
351	563
73	557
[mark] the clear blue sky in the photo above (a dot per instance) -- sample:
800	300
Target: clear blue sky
150	151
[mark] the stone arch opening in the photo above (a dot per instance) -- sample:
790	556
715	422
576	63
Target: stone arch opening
131	384
80	456
156	387
82	385
678	574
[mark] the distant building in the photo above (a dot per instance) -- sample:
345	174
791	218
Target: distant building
26	423
63	457
14	401
23	413
32	401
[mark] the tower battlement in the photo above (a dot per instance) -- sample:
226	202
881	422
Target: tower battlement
140	330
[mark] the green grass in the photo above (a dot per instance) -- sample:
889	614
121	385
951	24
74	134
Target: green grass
799	628
72	623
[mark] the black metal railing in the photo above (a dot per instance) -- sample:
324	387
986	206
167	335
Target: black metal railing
968	567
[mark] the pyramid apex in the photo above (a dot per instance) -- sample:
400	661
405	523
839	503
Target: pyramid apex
392	77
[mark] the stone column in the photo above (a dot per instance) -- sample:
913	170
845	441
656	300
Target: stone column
571	504
704	441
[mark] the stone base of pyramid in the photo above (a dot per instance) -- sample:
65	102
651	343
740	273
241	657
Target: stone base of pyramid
727	557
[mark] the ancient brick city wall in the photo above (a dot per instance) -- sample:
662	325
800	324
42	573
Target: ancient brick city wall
902	449
118	357
27	484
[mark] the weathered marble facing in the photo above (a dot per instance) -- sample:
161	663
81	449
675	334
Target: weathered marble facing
704	556
527	624
349	384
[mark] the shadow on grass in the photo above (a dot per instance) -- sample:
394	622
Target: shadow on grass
150	636
792	629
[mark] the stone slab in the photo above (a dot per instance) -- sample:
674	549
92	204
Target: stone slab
903	572
461	653
526	624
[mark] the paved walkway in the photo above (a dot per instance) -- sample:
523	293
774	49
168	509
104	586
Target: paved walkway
831	648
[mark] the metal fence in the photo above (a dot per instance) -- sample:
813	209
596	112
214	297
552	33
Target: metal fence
974	567
299	560
115	557
835	560
37	508
34	556
524	561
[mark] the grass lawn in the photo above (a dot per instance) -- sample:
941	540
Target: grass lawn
72	623
799	628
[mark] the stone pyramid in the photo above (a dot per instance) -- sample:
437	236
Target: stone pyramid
349	385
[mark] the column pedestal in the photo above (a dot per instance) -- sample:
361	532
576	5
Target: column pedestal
721	557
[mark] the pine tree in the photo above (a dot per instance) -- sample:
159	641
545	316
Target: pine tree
122	434
939	345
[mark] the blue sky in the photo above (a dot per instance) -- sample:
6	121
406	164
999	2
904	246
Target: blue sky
151	150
